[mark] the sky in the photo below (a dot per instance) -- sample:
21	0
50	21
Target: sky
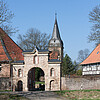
72	17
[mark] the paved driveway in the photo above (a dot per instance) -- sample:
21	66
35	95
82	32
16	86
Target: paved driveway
41	95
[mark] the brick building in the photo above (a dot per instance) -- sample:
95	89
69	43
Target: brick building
9	52
16	65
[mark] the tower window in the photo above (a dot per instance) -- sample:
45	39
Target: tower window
52	72
19	73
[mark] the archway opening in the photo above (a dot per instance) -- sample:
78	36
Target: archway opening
20	86
36	79
51	84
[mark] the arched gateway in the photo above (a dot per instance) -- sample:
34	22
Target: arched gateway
49	61
36	79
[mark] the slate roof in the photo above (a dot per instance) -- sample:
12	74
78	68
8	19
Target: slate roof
39	50
9	50
20	61
54	60
94	57
56	39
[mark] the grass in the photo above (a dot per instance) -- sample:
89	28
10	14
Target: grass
80	94
39	82
5	90
7	96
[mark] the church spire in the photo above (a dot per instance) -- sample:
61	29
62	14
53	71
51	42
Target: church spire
55	39
55	17
55	34
56	44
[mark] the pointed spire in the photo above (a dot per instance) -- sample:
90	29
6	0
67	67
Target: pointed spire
55	18
55	34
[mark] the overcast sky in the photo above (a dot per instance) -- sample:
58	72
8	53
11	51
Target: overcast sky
72	16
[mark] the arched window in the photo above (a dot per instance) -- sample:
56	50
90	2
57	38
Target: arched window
36	59
20	85
51	84
19	73
52	72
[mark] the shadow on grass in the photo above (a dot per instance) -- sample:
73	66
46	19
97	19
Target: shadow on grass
7	96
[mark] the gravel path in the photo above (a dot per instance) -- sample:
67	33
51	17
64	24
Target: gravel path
40	95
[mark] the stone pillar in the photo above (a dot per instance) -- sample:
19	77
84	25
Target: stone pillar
25	84
46	82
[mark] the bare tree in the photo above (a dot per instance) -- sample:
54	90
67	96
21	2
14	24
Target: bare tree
33	38
5	18
82	55
94	17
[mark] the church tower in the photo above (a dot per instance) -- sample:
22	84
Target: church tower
56	44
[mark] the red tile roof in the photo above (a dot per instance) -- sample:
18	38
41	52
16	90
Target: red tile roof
53	55
9	49
3	55
94	57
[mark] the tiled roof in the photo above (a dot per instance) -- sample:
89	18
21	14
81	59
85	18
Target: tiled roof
94	57
43	50
3	55
9	50
53	55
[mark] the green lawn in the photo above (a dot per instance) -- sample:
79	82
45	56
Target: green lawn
80	94
39	82
7	96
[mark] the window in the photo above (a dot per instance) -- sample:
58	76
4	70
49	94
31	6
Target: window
35	59
94	67
0	67
9	84
19	73
52	72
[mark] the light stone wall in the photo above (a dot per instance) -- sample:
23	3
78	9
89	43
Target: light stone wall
43	64
56	76
80	83
16	78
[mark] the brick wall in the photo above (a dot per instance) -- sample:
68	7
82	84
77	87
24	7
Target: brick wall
5	70
78	83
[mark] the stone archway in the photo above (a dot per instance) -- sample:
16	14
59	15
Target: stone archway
36	80
20	86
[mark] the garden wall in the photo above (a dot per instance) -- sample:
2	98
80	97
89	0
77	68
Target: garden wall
80	82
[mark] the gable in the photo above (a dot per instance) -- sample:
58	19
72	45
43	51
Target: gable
13	51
